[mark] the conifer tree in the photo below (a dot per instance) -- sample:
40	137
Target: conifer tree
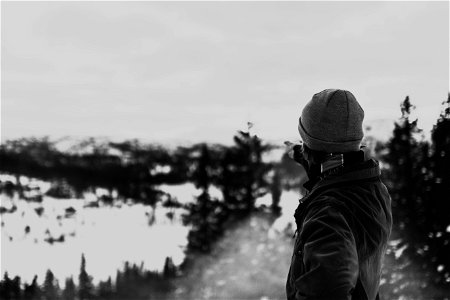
440	194
244	173
69	292
85	286
418	180
202	215
441	167
252	170
276	192
32	291
6	286
16	289
404	174
120	286
169	268
50	287
105	289
225	181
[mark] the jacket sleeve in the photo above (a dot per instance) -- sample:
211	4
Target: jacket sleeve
329	256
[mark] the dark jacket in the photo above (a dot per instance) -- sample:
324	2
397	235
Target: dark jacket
343	226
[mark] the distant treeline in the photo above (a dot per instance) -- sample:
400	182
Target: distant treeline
131	168
132	282
125	167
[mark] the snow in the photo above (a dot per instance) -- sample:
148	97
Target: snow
394	243
186	192
161	169
265	200
108	236
7	177
183	192
6	202
99	192
398	252
33	183
215	192
285	222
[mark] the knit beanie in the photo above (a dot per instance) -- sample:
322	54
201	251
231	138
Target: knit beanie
332	122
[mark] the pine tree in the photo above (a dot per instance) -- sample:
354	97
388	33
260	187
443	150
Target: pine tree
120	287
405	163
244	173
169	268
105	289
50	287
203	213
439	195
85	286
69	292
276	192
226	180
6	287
409	184
32	291
418	180
15	288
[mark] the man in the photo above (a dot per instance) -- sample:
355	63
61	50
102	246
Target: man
344	221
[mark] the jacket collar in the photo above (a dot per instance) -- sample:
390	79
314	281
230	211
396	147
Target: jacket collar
362	171
366	170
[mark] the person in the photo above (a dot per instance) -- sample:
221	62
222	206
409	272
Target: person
344	221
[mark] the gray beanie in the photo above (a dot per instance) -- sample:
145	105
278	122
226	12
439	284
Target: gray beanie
332	122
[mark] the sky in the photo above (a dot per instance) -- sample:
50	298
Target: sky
183	72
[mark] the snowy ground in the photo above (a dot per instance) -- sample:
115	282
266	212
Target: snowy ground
251	262
55	233
108	236
247	263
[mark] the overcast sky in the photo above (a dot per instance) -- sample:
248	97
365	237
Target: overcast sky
198	71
